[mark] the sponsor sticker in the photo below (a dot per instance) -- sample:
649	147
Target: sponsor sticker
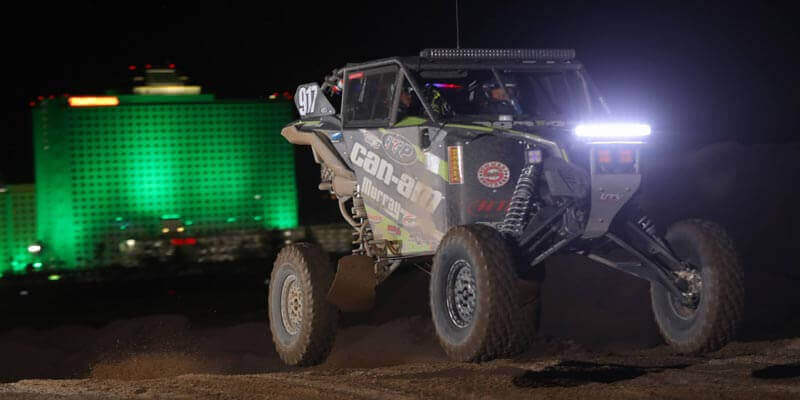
455	165
393	229
372	140
406	185
493	174
375	218
409	220
399	149
482	207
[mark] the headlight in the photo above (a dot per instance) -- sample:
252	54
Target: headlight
612	131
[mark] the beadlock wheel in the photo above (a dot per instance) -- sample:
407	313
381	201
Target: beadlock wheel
302	322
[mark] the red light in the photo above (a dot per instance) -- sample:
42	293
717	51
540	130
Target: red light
132	67
626	156
52	96
603	156
355	75
40	98
183	241
32	104
148	66
172	66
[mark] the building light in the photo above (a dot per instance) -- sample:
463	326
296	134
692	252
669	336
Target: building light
35	248
93	101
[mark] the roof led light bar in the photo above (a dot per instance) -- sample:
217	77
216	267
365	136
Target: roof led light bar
612	131
500	54
93	101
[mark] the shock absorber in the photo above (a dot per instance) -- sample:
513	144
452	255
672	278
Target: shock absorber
515	218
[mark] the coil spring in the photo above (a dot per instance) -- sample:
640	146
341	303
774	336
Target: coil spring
514	220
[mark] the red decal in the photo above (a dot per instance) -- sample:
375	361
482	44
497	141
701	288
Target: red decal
493	174
355	75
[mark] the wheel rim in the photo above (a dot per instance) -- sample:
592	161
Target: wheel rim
291	304
694	280
461	294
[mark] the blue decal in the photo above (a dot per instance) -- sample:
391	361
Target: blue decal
336	137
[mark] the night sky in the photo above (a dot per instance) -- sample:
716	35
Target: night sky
699	73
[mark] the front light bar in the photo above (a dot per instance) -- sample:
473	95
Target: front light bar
500	54
612	131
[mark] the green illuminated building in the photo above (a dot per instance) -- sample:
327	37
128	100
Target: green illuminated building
118	168
17	227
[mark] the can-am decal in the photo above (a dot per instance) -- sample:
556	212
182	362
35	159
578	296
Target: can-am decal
399	149
406	185
493	174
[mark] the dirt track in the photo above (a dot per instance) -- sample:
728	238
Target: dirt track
413	368
597	341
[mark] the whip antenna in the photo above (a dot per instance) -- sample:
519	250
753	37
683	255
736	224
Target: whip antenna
458	34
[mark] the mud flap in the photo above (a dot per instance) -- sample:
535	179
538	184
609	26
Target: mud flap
353	287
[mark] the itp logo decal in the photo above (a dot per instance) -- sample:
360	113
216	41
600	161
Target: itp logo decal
493	174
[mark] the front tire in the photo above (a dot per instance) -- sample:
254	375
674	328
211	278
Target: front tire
477	307
714	321
302	322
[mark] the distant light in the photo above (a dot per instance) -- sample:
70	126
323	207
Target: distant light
168	90
170	216
231	219
188	222
37	265
34	248
32	104
118	219
148	66
23	293
40	98
54	277
273	96
130	242
132	67
180	229
258	218
93	101
172	66
51	97
287	233
183	241
165	230
612	131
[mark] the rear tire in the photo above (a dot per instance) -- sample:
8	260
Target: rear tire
302	322
718	315
481	310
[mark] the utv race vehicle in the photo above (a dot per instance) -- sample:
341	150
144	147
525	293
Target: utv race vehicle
483	163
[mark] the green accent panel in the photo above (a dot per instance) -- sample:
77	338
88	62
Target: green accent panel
472	127
17	227
410	121
106	174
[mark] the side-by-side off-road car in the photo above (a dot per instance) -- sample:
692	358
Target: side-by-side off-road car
482	163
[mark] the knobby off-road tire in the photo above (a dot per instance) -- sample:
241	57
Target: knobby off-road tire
719	313
480	309
302	322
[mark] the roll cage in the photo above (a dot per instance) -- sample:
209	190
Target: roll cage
409	67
